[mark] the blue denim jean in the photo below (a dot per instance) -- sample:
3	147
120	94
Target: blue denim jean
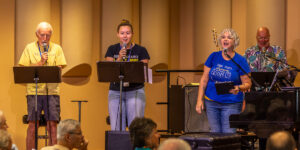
218	115
133	105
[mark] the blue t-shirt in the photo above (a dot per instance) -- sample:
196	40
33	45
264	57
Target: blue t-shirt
222	70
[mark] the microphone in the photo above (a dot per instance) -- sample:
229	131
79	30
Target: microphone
124	47
264	53
225	52
263	50
45	47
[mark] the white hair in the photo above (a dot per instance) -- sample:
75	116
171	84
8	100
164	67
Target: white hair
234	35
66	126
174	144
5	140
44	25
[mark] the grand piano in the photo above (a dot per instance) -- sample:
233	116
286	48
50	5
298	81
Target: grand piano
269	111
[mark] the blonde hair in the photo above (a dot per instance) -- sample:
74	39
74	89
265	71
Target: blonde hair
234	35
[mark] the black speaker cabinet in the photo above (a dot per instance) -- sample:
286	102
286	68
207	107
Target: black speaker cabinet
213	141
117	140
182	113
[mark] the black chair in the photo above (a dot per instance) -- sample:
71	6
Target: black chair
42	123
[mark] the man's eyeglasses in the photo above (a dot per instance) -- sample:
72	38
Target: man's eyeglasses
44	35
263	38
77	133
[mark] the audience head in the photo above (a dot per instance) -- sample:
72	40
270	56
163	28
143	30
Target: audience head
231	35
43	33
263	37
69	134
143	133
281	140
174	144
5	140
125	32
3	124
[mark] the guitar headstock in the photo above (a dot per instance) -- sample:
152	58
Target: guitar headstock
215	38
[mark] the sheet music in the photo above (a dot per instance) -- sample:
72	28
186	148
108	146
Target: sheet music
148	74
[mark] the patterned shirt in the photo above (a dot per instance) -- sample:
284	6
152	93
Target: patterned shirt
260	62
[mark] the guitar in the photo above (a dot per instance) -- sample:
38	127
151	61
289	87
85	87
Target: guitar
215	37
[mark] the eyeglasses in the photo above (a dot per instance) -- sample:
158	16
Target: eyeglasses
263	38
77	133
44	35
228	37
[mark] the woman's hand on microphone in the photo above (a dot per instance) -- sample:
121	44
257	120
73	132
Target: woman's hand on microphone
122	54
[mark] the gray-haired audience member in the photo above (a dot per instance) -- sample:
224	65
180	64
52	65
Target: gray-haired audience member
4	126
69	136
174	144
5	140
281	140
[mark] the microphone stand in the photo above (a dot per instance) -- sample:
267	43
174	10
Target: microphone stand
290	66
252	79
287	89
281	61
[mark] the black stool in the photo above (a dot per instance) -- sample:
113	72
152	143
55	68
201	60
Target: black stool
43	123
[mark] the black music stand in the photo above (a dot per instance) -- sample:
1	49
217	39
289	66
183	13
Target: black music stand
132	72
262	78
37	74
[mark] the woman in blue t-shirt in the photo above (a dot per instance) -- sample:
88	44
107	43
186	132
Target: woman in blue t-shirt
133	94
220	68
